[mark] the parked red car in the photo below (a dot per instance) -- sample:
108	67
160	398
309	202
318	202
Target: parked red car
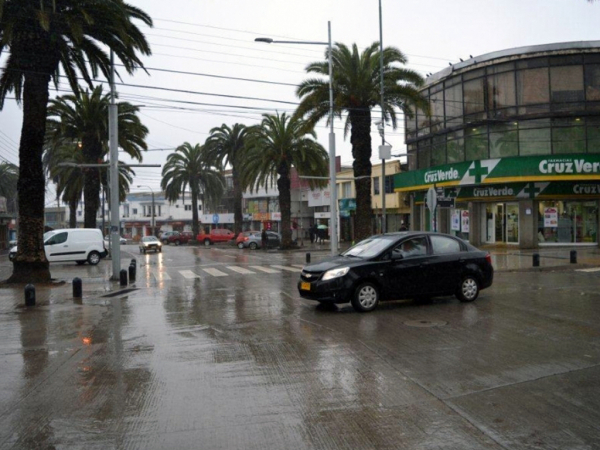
180	237
216	235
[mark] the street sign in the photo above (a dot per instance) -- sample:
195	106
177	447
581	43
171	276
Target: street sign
215	218
445	202
431	199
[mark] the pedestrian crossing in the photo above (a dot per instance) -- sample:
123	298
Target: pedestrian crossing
222	271
591	269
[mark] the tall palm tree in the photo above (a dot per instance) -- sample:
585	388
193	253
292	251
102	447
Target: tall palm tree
226	146
279	143
357	87
41	37
189	167
84	118
9	175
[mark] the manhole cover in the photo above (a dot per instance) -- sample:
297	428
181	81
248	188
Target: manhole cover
425	323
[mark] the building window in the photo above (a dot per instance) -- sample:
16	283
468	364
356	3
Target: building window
199	207
347	190
454	102
568	136
534	137
79	213
134	211
592	82
376	190
389	184
501	91
476	143
532	86
566	84
424	152
593	134
504	140
474	99
456	147
188	207
438	150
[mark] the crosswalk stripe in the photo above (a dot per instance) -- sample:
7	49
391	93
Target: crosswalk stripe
215	272
265	269
592	269
240	270
161	276
188	274
298	265
289	269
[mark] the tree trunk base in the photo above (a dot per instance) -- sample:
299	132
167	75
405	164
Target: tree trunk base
30	272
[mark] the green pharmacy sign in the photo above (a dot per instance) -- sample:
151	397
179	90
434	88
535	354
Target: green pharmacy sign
502	170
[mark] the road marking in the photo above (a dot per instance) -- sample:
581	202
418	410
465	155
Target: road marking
240	270
289	269
161	276
215	272
265	269
593	269
188	274
298	265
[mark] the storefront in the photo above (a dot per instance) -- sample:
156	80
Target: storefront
521	201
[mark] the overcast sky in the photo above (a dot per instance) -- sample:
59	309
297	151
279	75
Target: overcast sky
216	37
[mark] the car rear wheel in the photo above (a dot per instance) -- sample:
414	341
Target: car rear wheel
206	242
241	245
366	297
253	245
165	242
468	289
93	258
177	242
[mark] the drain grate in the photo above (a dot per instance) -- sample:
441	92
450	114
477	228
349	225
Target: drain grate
425	323
121	292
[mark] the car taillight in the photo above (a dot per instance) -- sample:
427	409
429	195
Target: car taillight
488	258
246	238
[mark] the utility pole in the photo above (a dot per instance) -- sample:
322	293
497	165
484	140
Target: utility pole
382	130
113	133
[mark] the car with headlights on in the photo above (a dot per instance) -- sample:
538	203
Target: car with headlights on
400	265
150	243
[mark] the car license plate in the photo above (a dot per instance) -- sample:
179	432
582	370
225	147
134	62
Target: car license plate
305	286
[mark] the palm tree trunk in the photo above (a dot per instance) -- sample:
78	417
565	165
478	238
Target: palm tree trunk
361	152
285	206
237	202
92	151
30	264
73	213
195	227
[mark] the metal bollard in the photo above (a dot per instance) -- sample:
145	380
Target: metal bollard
77	288
131	273
573	256
123	277
134	262
308	258
30	295
536	260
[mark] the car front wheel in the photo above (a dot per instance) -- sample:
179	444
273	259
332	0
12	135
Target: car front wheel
366	297
468	289
241	245
206	242
94	258
253	246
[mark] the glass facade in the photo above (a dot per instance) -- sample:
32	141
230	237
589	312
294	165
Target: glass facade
568	222
534	106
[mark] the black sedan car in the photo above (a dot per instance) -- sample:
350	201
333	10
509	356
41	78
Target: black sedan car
398	265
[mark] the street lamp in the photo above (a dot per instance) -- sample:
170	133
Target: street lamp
152	220
332	185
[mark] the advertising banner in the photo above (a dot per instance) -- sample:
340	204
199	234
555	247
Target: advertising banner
455	225
502	170
464	221
550	218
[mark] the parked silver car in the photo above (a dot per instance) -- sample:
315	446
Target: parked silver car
253	240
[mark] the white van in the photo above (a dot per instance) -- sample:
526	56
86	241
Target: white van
72	244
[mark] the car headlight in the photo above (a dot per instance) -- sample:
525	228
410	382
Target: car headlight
335	273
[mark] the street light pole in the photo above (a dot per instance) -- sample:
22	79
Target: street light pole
333	234
383	218
113	136
152	221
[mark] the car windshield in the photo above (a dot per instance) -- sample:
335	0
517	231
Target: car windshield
370	247
149	239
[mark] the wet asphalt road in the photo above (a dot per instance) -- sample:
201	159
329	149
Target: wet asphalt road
205	355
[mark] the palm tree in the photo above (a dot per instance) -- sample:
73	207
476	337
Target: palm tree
41	36
356	85
84	118
226	146
70	179
279	143
9	175
189	167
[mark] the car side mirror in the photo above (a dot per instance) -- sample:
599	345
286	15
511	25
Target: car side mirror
397	256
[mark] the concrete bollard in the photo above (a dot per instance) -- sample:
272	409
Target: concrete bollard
573	256
536	260
30	295
131	273
77	288
308	258
123	277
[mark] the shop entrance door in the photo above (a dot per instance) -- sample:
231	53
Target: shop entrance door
501	223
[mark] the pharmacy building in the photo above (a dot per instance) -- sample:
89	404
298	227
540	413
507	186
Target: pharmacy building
511	146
